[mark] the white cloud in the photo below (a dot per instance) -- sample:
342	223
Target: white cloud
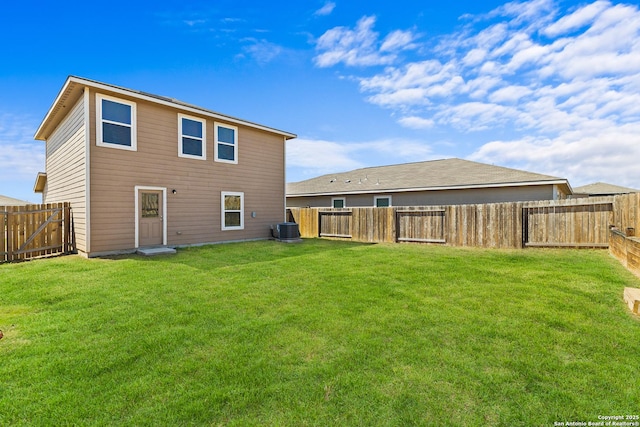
474	57
581	17
531	13
312	157
565	85
361	46
262	51
413	84
326	9
414	122
606	154
509	94
319	155
352	47
398	40
194	22
21	158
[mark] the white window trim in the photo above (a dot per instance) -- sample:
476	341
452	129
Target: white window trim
223	211
99	121
203	139
137	189
344	201
375	200
216	142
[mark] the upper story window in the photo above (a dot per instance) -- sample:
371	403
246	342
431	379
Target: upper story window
116	125
192	133
226	143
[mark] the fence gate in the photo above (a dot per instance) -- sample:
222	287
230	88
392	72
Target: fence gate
579	225
426	226
35	230
336	223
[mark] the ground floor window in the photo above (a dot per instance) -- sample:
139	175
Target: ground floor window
232	210
338	202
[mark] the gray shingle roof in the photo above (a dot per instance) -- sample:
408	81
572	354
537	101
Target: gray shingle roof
429	175
10	201
602	188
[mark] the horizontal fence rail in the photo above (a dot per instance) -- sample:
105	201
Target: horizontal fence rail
33	231
575	223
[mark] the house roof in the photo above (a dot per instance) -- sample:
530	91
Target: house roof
444	174
41	182
10	201
603	189
74	87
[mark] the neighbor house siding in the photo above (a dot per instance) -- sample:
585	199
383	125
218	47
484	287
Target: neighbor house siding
66	169
194	211
436	197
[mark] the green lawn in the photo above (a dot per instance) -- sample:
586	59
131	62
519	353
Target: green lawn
319	333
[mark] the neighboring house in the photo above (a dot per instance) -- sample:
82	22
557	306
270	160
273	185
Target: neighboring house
438	182
598	189
144	170
10	201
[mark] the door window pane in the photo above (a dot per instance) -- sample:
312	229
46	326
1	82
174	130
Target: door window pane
150	205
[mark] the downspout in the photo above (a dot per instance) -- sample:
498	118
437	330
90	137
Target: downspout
87	169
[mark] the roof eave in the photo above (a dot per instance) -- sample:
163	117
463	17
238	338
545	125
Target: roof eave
39	135
41	181
452	187
154	99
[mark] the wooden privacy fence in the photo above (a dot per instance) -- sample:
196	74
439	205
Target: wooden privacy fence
33	231
565	223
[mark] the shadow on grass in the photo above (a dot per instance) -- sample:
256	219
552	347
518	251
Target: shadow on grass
211	256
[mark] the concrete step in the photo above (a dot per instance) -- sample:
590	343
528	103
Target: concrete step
155	251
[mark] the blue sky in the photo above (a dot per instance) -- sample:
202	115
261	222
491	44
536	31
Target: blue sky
544	85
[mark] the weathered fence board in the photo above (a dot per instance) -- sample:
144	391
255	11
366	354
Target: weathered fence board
335	223
420	225
33	231
572	225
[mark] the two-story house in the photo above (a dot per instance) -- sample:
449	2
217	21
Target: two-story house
142	170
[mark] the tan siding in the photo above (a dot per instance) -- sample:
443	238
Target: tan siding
432	198
66	165
193	213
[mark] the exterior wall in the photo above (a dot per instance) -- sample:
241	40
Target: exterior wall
66	169
194	211
431	198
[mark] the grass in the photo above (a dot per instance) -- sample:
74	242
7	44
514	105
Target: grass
319	333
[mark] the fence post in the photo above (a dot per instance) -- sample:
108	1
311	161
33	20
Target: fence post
9	236
4	246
